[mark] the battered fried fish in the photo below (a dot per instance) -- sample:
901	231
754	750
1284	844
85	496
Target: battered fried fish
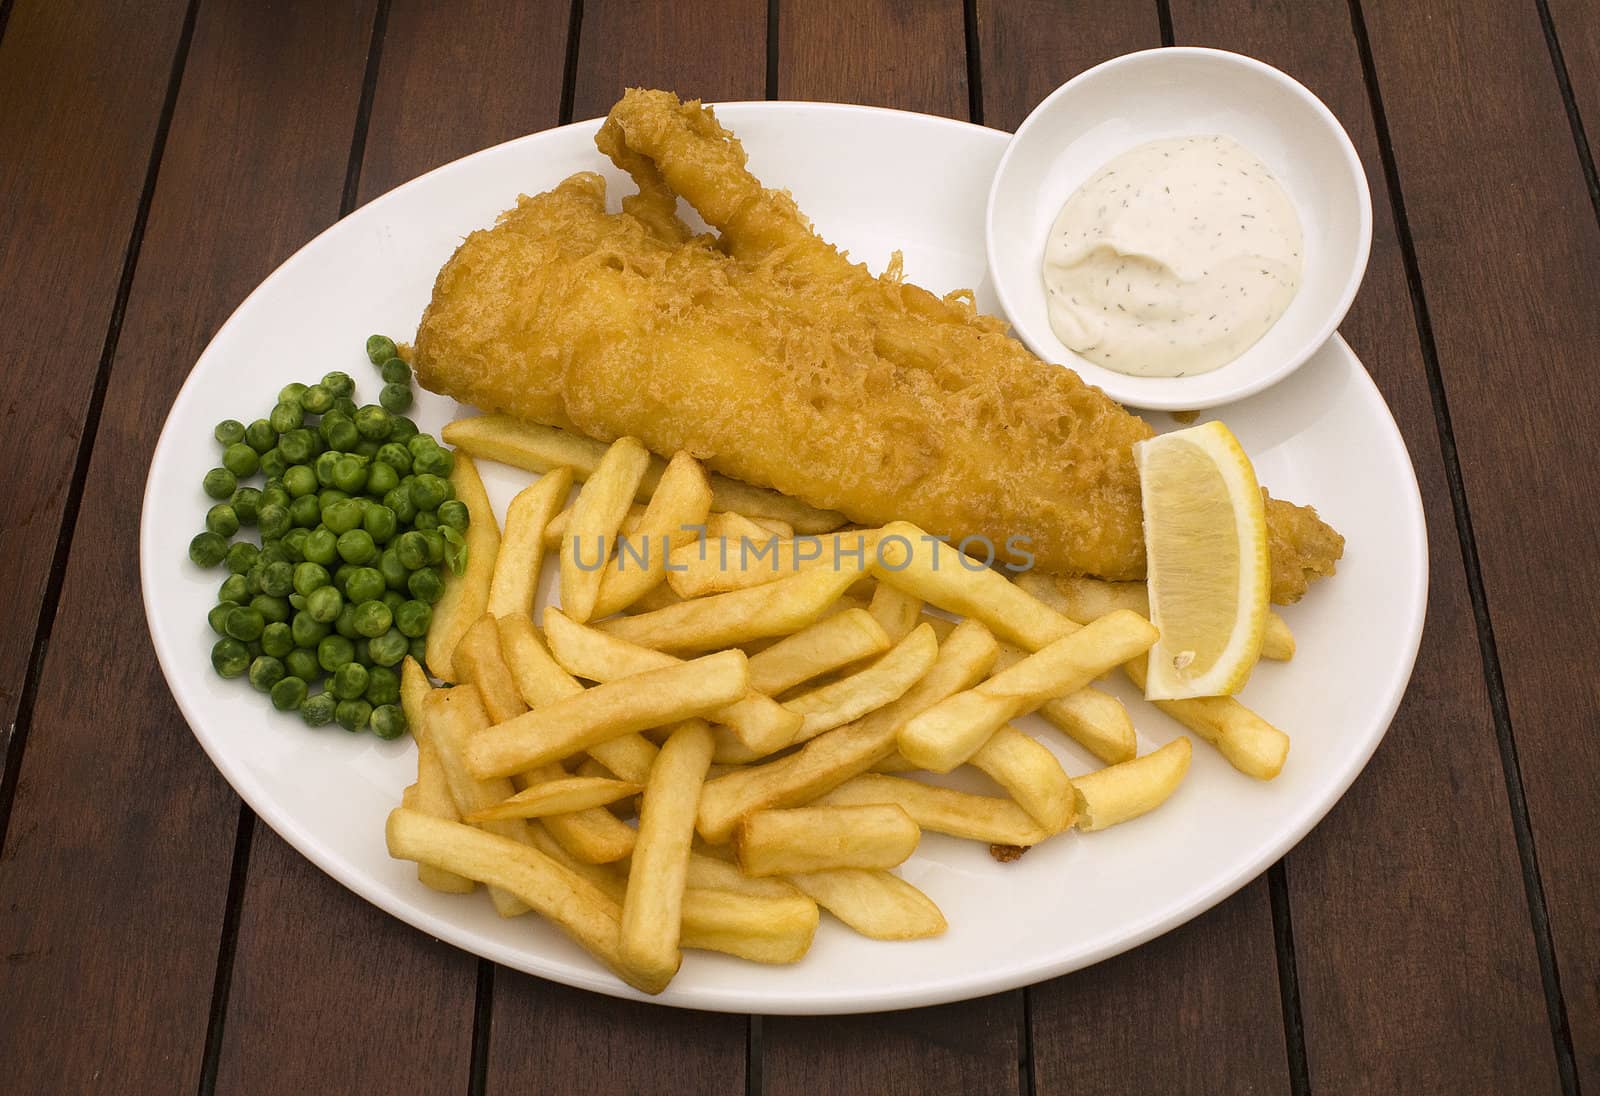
774	359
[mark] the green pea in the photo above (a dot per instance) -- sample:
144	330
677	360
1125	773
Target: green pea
322	546
324	604
364	584
273	519
399	501
367	448
291	392
373	422
271	607
229	657
297	602
229	432
389	648
396	456
272	551
350	474
265	672
417	444
393	571
309	577
425	584
317	399
373	618
323	466
286	417
334	651
294	541
299	480
341	516
381	479
241	557
380	348
302	663
306	631
395	371
395	398
435	539
339	432
208	549
305	512
339	383
217	618
454	513
297	446
349	681
345	405
437	461
222	520
393	598
426	520
288	694
383	686
427	492
260	436
388	721
357	547
276	639
246	503
233	590
380	523
411	549
277	579
345	625
241	460
402	429
220	483
363	654
419	650
412	619
273	494
330	495
317	711
352	715
274	465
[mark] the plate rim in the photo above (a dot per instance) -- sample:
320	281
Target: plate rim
716	998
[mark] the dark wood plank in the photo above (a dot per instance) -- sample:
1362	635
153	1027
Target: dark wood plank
548	1038
1365	907
888	53
77	152
715	50
1482	145
492	72
1222	968
117	862
1577	27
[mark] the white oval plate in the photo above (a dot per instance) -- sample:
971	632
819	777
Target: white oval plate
873	181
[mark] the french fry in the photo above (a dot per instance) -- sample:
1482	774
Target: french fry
556	531
802	839
826	645
453	716
733	558
607	877
466	596
952	731
575	905
866	690
1095	720
431	793
710	873
960	814
563	795
658	598
759	722
1251	744
1120	792
895	610
478	662
726	620
876	904
607	712
680	504
541	448
597	516
777	527
1031	775
831	759
652	911
761	929
516	566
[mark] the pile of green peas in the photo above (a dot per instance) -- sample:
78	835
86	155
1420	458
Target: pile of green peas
354	522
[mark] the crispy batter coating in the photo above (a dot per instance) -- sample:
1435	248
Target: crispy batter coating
770	356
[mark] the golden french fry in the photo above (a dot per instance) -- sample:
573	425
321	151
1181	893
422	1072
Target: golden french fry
815	650
466	596
1095	720
710	873
680	504
579	908
563	795
431	793
591	836
652	911
776	527
942	810
1251	744
607	712
726	620
516	567
895	610
597	516
478	661
866	690
802	839
832	758
876	904
757	721
952	731
1120	792
556	531
414	689
606	877
735	558
453	716
541	448
1030	774
761	929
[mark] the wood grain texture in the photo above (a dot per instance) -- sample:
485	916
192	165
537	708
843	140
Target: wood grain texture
715	50
1482	145
116	867
75	156
1365	905
907	54
456	77
549	1038
1577	27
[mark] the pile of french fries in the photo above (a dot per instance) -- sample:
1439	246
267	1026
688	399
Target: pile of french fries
699	750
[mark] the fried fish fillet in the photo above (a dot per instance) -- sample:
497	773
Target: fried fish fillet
770	356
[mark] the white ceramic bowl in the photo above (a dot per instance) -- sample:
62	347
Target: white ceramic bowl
1174	92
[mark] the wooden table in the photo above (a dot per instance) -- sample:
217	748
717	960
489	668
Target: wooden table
1439	932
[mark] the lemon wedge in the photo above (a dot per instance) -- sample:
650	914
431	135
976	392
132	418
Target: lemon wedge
1205	535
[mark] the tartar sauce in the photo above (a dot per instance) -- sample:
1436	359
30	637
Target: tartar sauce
1173	259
